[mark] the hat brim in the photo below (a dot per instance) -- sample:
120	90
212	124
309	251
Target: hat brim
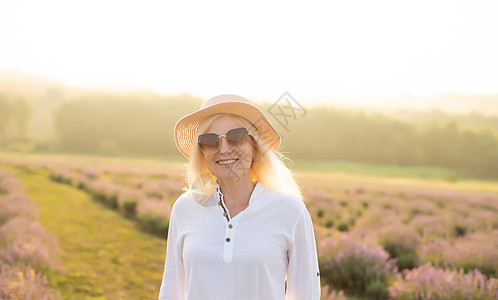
186	128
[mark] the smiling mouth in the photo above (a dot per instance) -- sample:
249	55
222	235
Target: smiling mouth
225	162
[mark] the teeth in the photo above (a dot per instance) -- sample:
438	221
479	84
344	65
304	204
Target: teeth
226	162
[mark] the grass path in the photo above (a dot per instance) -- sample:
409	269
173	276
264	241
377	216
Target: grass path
103	255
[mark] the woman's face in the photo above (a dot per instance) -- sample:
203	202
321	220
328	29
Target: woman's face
230	162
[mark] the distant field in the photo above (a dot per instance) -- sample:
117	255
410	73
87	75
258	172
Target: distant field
392	219
369	169
296	165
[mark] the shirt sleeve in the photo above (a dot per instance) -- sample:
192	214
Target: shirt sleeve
173	283
303	275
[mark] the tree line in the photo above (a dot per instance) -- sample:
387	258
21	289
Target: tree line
142	124
102	123
121	124
15	113
333	134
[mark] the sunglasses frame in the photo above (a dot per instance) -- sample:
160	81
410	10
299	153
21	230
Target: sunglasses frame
231	144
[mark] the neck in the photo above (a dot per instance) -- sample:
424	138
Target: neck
236	192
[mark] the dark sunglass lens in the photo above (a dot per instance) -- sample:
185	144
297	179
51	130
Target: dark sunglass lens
236	135
208	142
208	139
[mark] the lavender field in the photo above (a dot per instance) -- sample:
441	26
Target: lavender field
27	250
378	237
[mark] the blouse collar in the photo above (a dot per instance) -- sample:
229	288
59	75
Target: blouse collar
256	192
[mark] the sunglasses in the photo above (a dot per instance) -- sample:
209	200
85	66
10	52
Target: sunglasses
210	142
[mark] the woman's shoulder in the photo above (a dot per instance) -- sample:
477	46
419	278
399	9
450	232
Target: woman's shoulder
187	199
291	203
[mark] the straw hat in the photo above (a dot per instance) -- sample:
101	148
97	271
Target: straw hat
186	127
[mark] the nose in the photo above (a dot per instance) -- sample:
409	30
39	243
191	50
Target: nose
224	147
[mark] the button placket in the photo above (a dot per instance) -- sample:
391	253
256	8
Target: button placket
229	243
229	230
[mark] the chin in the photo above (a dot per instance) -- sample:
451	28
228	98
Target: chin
231	175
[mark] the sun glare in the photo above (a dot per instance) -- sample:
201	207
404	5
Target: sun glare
317	50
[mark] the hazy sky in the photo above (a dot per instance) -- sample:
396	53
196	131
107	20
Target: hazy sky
259	49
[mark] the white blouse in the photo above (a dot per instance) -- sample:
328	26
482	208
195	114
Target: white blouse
211	256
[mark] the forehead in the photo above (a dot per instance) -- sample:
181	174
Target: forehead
224	124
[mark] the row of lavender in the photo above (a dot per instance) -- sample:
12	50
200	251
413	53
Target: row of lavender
450	228
358	265
26	249
143	203
406	243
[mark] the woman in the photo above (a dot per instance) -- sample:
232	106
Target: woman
241	230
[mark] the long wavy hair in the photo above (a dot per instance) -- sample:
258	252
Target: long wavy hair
268	167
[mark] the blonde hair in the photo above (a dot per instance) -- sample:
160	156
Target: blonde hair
267	168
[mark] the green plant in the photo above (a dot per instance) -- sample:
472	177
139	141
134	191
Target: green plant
129	208
348	263
153	224
343	226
